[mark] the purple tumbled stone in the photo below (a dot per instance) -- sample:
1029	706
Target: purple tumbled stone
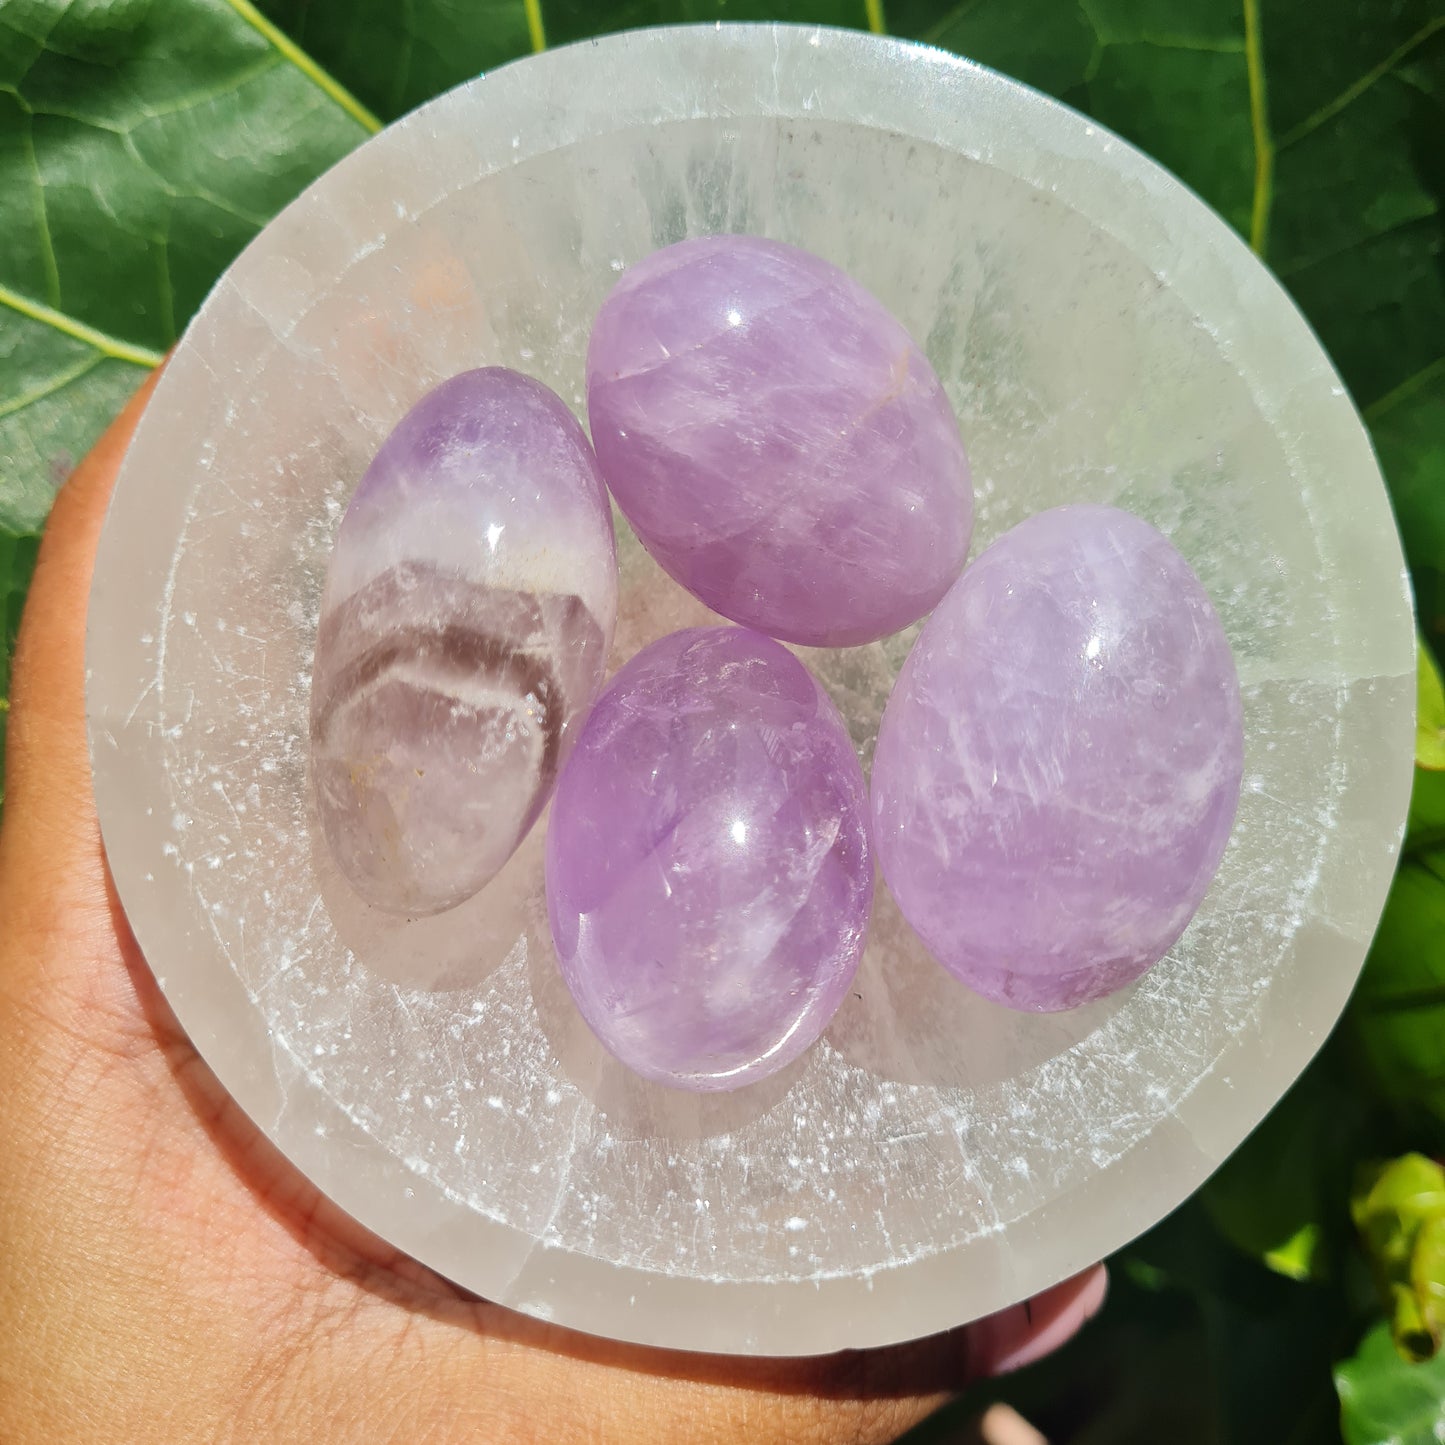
1058	767
778	441
469	606
708	868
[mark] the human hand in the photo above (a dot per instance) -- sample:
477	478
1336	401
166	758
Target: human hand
167	1276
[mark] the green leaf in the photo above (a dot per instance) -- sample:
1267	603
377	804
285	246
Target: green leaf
1282	1195
1268	1343
1426	825
1399	1210
1397	1015
577	19
17	562
1315	127
396	56
1427	1278
1430	715
142	143
1140	1371
1386	1401
1409	431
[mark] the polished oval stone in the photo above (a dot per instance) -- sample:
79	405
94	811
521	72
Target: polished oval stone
778	441
468	610
708	870
1058	767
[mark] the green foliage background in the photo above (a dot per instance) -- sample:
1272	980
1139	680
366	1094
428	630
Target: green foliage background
143	142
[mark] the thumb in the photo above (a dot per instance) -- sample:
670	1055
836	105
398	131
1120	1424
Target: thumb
51	865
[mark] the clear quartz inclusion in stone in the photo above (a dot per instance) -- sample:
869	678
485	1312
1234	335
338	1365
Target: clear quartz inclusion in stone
778	441
707	863
1058	767
468	610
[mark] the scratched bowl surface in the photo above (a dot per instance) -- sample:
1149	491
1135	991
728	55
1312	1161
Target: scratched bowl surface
1104	338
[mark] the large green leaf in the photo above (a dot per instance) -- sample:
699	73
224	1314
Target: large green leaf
1318	128
1397	1016
1426	824
394	56
1196	1345
1427	810
1429	716
1140	1372
1386	1401
1409	432
1282	1196
142	143
1269	1342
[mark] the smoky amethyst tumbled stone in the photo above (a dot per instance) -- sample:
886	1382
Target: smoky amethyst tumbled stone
468	609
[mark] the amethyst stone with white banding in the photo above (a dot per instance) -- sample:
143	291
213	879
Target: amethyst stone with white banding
468	610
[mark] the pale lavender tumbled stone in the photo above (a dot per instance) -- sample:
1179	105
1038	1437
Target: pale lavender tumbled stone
708	869
1058	767
469	606
778	441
